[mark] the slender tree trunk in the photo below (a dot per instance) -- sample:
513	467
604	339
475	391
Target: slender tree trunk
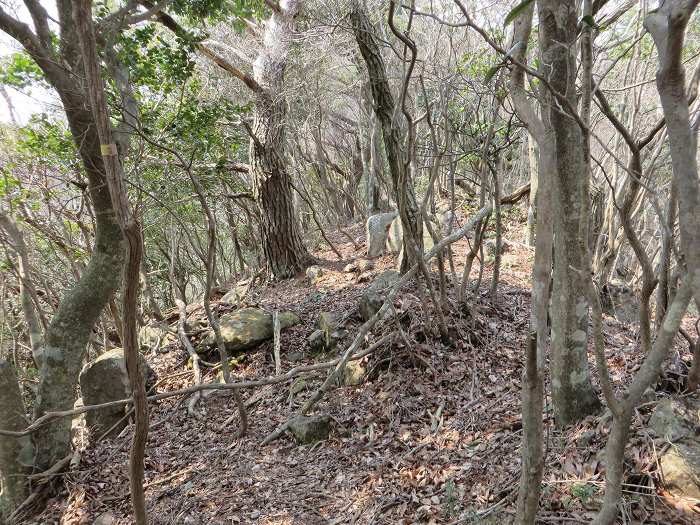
385	107
15	453
667	26
532	448
131	230
533	162
572	391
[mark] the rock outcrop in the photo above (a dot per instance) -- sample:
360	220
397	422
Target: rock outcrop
676	421
309	429
156	335
377	229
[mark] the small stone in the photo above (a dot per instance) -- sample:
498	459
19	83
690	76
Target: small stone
365	265
106	518
373	297
351	267
313	273
317	341
309	429
354	373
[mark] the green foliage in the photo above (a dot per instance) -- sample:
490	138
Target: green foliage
158	62
47	140
19	70
583	491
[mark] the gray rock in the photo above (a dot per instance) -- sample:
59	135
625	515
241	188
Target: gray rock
317	341
103	380
676	421
235	294
376	231
672	420
373	297
246	328
313	273
309	429
155	335
364	265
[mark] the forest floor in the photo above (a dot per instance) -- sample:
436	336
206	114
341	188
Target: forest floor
431	436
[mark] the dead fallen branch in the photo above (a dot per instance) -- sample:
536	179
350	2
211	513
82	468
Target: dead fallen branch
291	374
367	326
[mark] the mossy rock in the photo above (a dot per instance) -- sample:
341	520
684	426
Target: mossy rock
310	429
246	328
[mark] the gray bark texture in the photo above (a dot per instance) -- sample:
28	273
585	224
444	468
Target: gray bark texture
385	109
15	453
67	335
572	391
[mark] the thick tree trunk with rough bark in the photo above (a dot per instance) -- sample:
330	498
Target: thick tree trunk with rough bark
572	390
284	249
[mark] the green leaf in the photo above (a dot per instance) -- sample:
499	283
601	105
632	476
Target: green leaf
491	73
590	21
515	12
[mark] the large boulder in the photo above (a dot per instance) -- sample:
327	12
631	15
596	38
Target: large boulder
373	297
676	421
376	231
246	328
103	380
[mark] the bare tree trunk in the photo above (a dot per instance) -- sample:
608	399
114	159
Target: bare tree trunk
533	376
667	26
371	154
131	230
572	391
533	163
385	108
31	307
15	453
67	335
